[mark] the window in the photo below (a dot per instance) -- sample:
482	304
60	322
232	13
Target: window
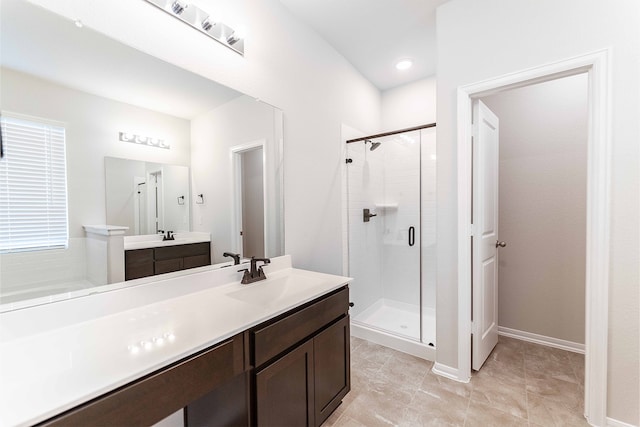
33	186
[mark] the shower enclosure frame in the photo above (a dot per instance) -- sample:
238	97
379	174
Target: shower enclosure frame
416	347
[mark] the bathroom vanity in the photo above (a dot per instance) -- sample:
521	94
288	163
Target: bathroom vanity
274	352
149	255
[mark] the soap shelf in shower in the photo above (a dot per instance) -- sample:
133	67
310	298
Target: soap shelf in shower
387	206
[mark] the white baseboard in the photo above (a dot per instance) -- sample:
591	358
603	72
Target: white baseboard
615	423
447	372
541	339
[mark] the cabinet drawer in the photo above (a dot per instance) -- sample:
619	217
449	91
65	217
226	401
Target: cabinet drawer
136	271
168	265
196	261
273	339
160	394
181	251
138	256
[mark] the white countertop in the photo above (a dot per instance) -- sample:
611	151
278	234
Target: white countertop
155	240
57	356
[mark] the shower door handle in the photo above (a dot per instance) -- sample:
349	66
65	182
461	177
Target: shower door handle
412	236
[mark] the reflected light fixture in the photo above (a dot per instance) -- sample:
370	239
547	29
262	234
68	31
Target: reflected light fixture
404	64
202	21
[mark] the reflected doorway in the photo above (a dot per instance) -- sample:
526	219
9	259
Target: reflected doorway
249	199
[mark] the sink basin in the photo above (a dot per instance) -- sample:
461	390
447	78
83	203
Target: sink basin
276	290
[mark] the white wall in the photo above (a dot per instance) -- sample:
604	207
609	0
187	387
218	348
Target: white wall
478	40
175	184
409	105
236	123
92	127
122	191
543	197
285	64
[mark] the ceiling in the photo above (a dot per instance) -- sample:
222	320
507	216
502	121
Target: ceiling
371	34
374	34
80	58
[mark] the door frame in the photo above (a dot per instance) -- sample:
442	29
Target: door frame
597	65
236	194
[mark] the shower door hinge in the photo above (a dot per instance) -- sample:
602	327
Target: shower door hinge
348	161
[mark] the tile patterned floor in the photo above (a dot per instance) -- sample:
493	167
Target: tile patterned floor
521	384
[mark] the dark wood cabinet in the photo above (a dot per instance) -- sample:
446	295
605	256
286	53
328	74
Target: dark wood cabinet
148	262
332	367
225	406
310	373
285	390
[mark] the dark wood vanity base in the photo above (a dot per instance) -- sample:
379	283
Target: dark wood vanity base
151	261
292	370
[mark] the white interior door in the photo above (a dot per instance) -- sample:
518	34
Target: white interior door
485	234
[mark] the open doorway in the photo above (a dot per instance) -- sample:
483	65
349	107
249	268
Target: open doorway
597	207
155	209
542	190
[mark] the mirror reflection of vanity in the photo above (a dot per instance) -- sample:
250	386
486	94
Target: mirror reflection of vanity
207	159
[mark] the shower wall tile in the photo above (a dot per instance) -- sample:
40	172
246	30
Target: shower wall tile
379	254
428	184
365	259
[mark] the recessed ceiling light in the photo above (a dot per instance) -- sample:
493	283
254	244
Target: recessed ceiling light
404	64
78	23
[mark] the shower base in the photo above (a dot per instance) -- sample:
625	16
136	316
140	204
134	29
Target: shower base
397	325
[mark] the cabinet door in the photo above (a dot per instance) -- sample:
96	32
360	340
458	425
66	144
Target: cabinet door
284	390
331	368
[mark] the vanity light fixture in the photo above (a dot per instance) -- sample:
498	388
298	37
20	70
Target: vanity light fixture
143	140
177	7
202	21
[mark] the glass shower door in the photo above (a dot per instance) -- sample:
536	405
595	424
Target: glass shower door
385	233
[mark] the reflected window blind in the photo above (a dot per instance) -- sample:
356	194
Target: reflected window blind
33	186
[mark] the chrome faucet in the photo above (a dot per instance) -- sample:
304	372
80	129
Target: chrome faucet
236	257
168	236
255	273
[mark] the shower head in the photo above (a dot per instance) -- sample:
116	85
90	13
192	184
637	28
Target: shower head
374	145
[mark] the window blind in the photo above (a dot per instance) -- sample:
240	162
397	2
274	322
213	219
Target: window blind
33	186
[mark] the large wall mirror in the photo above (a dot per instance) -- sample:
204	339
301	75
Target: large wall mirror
131	120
